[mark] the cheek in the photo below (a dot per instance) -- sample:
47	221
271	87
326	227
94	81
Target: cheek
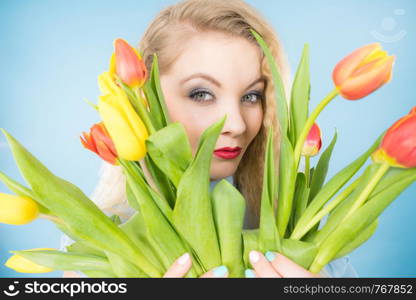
192	118
254	119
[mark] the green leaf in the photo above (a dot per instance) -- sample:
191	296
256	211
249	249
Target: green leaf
83	248
269	239
192	214
250	242
229	210
301	197
65	261
123	268
361	238
342	209
357	222
169	148
69	203
279	89
287	181
331	188
155	96
300	252
321	169
299	103
162	182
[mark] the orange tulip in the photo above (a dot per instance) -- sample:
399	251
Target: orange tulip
99	141
363	71
313	142
398	147
127	63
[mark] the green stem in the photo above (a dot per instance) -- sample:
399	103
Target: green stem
325	210
307	169
368	189
309	123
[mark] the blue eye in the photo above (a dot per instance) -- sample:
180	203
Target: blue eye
200	95
253	97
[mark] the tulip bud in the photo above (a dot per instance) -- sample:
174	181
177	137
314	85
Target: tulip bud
23	265
398	147
17	210
363	71
313	142
99	141
124	126
127	64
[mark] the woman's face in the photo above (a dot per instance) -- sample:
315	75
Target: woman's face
217	75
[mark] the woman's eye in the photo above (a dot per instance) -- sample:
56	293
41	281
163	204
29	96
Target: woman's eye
252	98
200	96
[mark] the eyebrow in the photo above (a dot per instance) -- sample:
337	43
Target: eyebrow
215	82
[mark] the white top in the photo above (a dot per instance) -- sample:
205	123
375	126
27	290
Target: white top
337	268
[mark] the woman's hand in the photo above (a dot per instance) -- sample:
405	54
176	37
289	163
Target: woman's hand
182	265
274	264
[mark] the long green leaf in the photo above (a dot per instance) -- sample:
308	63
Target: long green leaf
250	242
192	215
269	239
331	188
321	169
229	210
300	252
79	213
279	89
357	222
66	261
299	104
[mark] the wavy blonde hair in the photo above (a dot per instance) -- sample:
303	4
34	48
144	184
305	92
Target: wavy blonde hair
165	36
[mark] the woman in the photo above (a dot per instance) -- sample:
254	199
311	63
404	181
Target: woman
211	65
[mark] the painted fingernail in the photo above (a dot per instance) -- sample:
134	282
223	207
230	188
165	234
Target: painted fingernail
183	259
250	273
254	256
270	256
220	271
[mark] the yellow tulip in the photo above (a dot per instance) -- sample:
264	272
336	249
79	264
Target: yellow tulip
17	210
124	125
23	265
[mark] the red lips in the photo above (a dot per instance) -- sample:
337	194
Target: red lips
228	152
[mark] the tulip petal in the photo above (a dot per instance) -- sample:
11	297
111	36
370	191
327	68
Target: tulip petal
347	65
357	87
127	145
17	210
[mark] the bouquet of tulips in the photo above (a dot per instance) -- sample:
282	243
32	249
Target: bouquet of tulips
169	187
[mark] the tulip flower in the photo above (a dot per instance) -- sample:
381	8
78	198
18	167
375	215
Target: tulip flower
398	147
125	127
363	71
17	210
127	63
313	142
99	141
23	265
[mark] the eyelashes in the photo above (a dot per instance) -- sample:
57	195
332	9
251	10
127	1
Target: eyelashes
203	95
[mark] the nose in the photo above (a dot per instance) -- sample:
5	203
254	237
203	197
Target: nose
235	124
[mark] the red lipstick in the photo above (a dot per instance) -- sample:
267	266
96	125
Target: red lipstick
228	152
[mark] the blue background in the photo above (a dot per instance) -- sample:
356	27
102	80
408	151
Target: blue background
52	52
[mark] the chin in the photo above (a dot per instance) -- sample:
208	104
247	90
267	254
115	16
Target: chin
222	169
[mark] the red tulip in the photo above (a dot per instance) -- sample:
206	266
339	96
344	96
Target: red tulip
398	147
127	64
313	142
99	141
363	71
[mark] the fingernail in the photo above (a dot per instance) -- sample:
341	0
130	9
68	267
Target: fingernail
183	259
250	273
254	256
270	256
220	271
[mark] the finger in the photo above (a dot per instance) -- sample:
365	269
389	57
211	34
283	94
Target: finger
286	267
262	266
218	272
180	267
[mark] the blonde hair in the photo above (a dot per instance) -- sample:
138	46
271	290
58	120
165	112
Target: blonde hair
164	36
